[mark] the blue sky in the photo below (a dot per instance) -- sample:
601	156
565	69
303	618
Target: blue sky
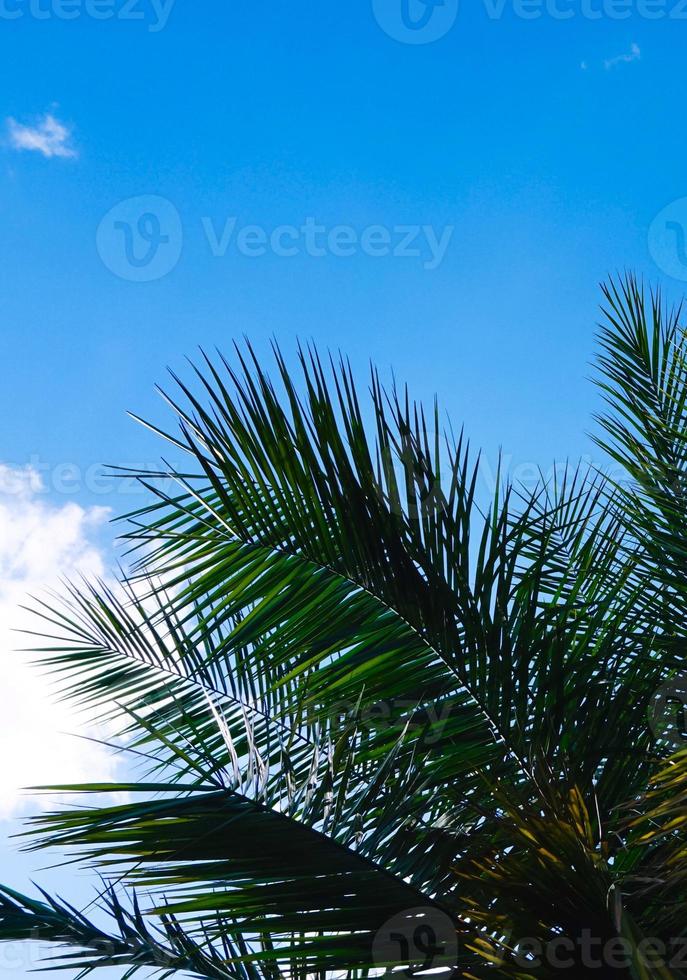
550	174
545	150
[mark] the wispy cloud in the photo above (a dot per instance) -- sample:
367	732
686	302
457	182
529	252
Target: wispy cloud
634	54
48	136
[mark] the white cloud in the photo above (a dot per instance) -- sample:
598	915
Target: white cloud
40	544
634	54
49	136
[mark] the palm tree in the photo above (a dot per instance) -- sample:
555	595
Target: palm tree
381	722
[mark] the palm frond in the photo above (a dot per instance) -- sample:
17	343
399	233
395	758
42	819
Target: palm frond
358	686
130	943
216	856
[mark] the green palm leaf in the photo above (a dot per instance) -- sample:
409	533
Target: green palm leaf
358	687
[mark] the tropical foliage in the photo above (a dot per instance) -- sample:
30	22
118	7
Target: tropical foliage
376	720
